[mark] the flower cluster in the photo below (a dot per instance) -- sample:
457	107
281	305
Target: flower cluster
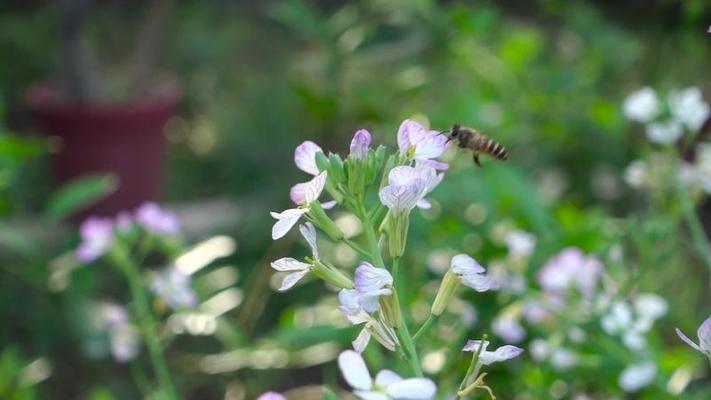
124	337
381	190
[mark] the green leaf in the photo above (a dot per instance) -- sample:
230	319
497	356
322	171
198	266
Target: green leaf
78	194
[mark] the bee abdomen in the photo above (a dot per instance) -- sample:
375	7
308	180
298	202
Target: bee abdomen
495	149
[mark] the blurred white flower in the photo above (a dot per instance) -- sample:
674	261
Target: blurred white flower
637	376
636	174
702	166
96	237
486	357
271	396
665	132
689	107
539	349
642	105
617	319
508	328
571	268
173	286
520	243
704	336
563	359
535	312
124	338
387	385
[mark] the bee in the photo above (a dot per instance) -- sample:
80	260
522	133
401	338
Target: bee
469	138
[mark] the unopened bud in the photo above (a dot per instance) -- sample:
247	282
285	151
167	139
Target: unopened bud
450	283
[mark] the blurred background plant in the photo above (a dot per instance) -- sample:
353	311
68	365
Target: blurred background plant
548	79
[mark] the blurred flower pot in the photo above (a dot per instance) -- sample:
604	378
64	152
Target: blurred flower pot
123	139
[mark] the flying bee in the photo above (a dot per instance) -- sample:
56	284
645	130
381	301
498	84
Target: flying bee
469	138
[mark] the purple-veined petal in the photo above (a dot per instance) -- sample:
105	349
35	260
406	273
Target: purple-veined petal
407	128
413	389
291	280
305	157
308	231
473	345
437	165
354	370
479	282
386	378
402	175
463	264
704	334
503	353
307	192
361	341
360	144
285	221
430	144
289	264
402	197
369	278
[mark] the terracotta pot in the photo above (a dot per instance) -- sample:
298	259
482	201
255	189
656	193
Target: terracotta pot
124	139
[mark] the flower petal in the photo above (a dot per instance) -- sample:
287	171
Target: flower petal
329	204
473	345
430	144
360	144
503	353
289	264
424	204
291	279
386	378
438	165
286	220
407	128
307	192
463	264
413	389
305	157
369	278
704	334
479	282
308	231
368	395
686	339
402	175
361	341
354	370
402	197
271	396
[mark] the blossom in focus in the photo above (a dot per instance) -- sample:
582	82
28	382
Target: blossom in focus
472	273
664	132
689	107
305	157
96	237
637	376
642	105
351	305
387	384
155	219
416	142
486	357
704	336
271	396
370	284
407	187
571	268
297	269
360	144
302	194
173	286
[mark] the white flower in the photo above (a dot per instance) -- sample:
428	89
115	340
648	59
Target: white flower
486	357
472	273
407	187
563	359
387	384
689	107
704	335
174	288
96	237
296	268
636	174
302	194
570	268
665	132
418	143
637	376
642	105
520	243
618	319
305	157
509	329
539	349
650	307
125	342
371	283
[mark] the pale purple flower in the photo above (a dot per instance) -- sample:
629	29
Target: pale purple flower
371	283
271	396
125	342
637	376
155	219
704	336
535	312
563	359
407	187
689	107
302	194
296	268
509	329
360	144
305	157
472	273
539	349
520	243
486	357
173	286
387	385
124	221
351	305
418	143
642	105
112	315
96	237
570	268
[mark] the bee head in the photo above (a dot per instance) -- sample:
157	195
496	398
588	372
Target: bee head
454	133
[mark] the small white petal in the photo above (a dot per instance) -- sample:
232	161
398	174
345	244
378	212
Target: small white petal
308	192
402	197
354	370
286	220
503	353
413	389
666	132
289	264
473	345
642	105
329	204
386	378
305	157
402	175
424	204
463	264
308	231
704	334
688	341
479	282
407	128
370	279
291	280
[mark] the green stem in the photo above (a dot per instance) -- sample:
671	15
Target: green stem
426	325
698	236
370	236
403	333
145	320
356	247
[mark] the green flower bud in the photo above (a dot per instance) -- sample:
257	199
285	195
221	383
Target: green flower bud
324	222
449	285
331	275
396	225
337	170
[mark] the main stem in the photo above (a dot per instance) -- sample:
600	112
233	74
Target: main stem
403	333
146	322
369	231
698	236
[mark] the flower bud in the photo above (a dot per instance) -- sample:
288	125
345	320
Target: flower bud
360	145
450	283
396	225
331	275
390	309
337	169
324	222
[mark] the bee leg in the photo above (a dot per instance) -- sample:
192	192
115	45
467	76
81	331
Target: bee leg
476	159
